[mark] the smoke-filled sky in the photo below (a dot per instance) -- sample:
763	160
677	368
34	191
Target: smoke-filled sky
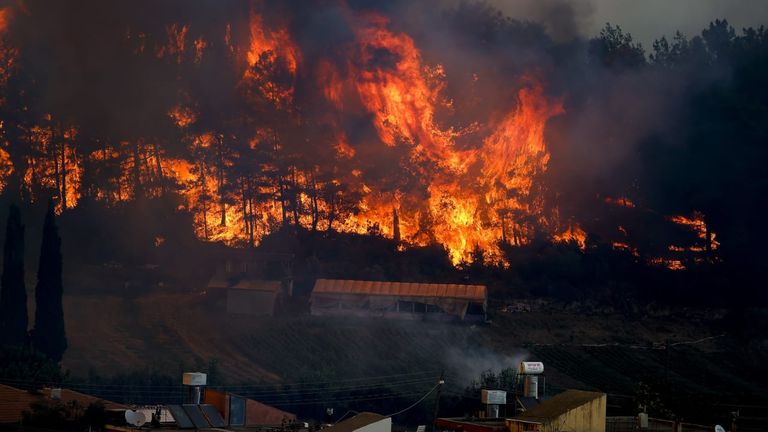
646	20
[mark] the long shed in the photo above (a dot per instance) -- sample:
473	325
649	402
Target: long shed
405	300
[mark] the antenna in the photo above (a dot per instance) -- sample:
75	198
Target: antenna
135	418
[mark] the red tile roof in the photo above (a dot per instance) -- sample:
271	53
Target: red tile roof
257	413
13	401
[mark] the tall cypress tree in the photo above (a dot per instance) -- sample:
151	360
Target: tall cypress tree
49	336
13	293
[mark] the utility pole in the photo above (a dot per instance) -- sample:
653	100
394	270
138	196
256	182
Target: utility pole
437	399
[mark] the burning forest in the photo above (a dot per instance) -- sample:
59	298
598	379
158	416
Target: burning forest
464	128
238	187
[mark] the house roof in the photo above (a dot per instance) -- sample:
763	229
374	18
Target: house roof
257	285
83	399
13	401
405	289
258	413
354	423
559	405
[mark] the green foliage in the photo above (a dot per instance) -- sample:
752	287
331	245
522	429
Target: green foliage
49	335
28	366
650	401
72	416
616	49
13	295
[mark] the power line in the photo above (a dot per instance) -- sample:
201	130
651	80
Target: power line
418	401
415	376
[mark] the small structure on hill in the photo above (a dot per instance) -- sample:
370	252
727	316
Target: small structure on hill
251	283
363	422
571	410
415	301
253	297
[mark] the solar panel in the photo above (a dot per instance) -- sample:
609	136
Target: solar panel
236	411
197	417
181	418
213	416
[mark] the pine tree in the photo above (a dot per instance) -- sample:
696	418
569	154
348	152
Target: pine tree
49	336
13	293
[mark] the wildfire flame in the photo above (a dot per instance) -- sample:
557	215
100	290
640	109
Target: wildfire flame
465	187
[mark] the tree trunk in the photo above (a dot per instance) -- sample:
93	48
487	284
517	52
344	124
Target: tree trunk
55	149
222	203
63	175
245	207
395	226
203	201
159	167
313	197
281	185
137	192
503	217
295	197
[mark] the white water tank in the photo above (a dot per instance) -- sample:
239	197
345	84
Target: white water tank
531	368
194	381
493	397
194	378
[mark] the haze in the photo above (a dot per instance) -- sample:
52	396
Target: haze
646	20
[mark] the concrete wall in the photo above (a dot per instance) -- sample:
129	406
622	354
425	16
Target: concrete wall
589	417
383	425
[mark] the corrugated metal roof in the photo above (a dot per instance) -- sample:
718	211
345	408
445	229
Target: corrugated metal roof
406	289
559	405
258	285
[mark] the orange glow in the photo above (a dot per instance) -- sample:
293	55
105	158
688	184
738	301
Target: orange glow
621	202
5	14
697	224
60	172
182	116
471	197
626	248
474	196
573	233
671	264
271	49
6	168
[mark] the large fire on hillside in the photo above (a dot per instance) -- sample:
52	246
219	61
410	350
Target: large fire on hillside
365	137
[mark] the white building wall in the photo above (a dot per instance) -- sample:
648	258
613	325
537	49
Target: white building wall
383	425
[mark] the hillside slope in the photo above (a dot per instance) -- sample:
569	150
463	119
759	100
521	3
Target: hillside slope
168	333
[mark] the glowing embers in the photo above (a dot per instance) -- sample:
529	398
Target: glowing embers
697	224
621	202
573	233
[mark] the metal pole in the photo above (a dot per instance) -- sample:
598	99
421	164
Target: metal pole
437	399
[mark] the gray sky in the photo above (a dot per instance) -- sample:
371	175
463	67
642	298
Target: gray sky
645	19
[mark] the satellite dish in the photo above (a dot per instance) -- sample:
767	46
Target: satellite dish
135	418
719	428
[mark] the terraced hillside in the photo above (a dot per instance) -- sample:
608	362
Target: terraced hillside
170	333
